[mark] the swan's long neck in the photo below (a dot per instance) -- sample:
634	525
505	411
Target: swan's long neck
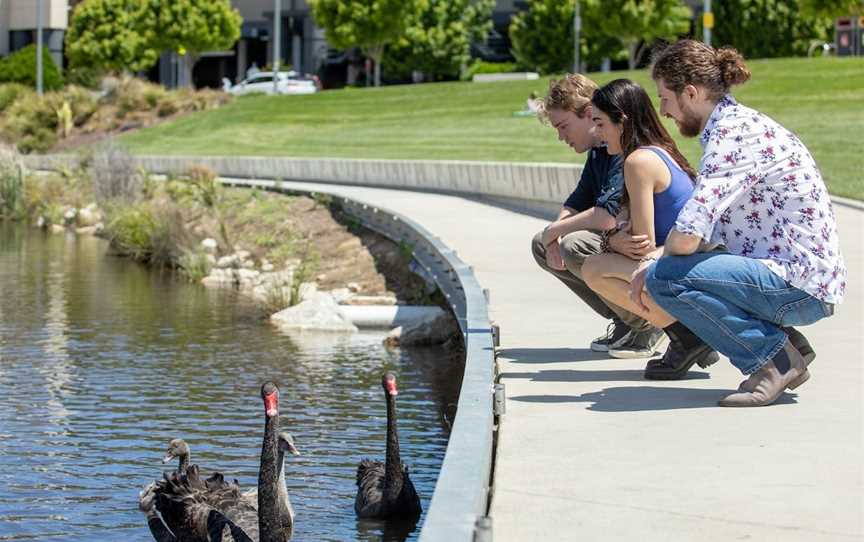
286	512
393	464
185	460
269	522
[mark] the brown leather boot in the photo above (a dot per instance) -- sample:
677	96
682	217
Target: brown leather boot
800	342
769	382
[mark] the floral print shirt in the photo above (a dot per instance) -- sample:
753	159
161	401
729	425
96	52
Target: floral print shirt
760	194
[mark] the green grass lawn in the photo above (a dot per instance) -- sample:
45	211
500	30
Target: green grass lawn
821	99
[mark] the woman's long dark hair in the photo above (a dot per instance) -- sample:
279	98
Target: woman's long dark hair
626	103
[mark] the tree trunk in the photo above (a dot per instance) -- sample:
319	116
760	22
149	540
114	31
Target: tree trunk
188	63
635	50
632	48
376	53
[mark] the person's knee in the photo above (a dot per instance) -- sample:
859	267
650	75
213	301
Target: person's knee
577	246
592	269
538	250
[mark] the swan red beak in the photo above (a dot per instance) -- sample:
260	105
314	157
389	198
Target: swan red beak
271	404
390	385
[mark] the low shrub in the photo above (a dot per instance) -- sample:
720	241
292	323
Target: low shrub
31	123
20	67
10	92
168	106
207	190
179	191
11	185
84	76
152	232
481	66
82	102
195	265
131	231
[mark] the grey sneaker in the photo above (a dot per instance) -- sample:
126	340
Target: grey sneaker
640	344
615	331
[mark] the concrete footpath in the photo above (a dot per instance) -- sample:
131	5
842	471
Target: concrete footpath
588	450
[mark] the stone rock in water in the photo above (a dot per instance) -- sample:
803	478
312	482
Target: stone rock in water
435	330
209	245
318	312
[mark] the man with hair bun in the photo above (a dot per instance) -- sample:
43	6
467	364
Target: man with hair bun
562	247
760	194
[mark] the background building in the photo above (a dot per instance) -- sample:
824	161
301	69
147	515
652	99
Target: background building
18	26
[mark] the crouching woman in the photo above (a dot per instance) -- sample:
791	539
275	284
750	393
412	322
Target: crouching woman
658	181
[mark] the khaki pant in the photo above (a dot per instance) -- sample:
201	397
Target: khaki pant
575	248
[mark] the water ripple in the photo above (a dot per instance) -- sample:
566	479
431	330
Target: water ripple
102	362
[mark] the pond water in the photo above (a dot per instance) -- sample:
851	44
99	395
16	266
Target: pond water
103	361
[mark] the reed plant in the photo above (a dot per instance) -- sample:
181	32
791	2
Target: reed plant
11	185
114	175
194	264
305	270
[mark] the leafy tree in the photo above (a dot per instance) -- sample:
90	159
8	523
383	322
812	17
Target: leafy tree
542	35
20	67
832	8
639	22
190	27
367	24
438	39
767	28
108	34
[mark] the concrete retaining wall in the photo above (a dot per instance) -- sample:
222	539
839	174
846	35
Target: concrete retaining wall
537	188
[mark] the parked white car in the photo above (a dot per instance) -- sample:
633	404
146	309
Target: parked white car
288	83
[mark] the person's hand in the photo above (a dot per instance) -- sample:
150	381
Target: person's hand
637	284
553	257
632	246
550	235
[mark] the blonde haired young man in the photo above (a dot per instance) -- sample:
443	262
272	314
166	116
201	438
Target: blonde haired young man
562	247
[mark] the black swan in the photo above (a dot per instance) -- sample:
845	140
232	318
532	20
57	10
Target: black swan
213	509
178	449
384	489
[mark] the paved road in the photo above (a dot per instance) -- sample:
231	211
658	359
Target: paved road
588	450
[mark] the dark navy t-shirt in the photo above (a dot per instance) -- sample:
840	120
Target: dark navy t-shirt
601	183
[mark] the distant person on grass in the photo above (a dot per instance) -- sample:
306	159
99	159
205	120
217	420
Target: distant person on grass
759	193
561	248
658	181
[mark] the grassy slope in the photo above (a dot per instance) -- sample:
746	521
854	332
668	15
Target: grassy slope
822	100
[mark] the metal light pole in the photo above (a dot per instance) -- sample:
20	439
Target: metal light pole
277	42
39	47
707	23
577	27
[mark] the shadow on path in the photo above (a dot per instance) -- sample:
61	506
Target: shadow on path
550	355
639	398
572	375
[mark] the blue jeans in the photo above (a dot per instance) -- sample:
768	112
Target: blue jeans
733	303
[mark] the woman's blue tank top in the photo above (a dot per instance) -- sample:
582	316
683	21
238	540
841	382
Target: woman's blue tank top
668	203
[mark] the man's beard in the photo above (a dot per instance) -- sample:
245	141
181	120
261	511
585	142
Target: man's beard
690	125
